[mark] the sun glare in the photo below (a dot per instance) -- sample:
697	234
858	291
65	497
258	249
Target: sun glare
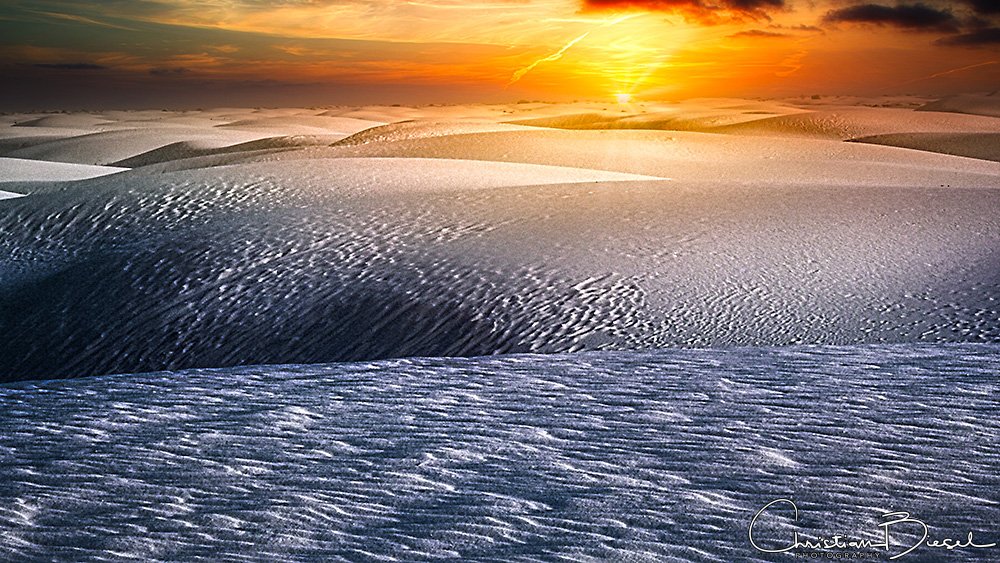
623	98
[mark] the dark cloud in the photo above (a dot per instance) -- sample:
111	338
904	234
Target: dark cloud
175	71
758	33
707	11
799	27
919	17
71	66
985	36
985	6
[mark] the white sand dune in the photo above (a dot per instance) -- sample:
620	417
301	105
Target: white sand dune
303	125
408	130
848	123
9	195
43	133
107	147
933	131
450	232
10	144
840	123
984	104
350	258
64	121
695	156
187	150
610	456
23	170
985	146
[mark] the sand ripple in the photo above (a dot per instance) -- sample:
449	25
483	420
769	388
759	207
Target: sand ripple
658	456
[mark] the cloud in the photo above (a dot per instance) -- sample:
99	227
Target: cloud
758	34
979	37
800	27
71	66
917	17
984	6
706	11
83	19
173	71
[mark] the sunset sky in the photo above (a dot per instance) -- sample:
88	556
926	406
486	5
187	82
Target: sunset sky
182	53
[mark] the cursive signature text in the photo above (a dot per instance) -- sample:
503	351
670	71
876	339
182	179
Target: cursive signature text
890	522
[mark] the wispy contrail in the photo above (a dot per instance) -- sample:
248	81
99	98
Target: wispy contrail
952	71
558	54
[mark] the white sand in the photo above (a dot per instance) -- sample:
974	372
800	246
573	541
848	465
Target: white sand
982	104
237	239
23	170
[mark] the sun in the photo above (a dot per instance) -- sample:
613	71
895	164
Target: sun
623	98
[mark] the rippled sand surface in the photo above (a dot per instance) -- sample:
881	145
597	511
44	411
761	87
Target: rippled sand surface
526	332
658	456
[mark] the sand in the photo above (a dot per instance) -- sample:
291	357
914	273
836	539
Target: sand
514	332
975	104
24	170
243	236
605	456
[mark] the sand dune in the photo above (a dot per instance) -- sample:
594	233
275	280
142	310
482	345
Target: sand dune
408	130
338	259
65	121
840	123
303	125
968	103
985	146
9	195
186	150
694	156
23	170
945	133
107	147
450	232
611	456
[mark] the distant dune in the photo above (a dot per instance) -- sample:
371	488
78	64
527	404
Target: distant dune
241	237
25	170
984	104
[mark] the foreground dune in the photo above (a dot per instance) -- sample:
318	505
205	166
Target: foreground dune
651	456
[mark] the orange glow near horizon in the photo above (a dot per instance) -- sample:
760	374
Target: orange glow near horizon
616	56
488	50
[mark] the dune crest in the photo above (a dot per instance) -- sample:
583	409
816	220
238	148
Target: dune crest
25	170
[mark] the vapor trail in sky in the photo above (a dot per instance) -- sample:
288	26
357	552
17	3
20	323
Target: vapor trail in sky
558	54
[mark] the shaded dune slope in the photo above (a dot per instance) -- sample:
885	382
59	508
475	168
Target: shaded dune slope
341	261
985	146
982	104
185	150
316	260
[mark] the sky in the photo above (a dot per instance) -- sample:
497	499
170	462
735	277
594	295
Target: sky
72	54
